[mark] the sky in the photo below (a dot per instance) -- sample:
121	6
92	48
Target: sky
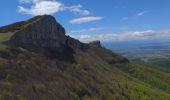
89	20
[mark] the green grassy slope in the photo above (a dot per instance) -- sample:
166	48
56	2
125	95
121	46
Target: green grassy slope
95	74
153	76
5	36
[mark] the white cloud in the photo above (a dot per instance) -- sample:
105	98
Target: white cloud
141	13
135	16
87	30
41	7
32	1
77	9
84	20
137	35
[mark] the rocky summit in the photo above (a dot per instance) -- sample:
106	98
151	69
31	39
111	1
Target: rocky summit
43	31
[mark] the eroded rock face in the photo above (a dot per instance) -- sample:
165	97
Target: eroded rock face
75	43
43	32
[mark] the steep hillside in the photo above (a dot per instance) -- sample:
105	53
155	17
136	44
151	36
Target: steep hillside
72	71
154	77
29	75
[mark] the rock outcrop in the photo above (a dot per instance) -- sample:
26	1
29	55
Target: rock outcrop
44	31
96	43
75	43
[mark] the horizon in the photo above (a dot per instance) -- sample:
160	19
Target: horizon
130	20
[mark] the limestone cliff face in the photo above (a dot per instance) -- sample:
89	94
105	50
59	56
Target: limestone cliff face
42	32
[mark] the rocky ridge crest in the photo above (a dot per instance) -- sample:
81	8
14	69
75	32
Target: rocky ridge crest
43	31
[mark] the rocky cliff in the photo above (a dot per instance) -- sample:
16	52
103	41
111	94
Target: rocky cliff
42	32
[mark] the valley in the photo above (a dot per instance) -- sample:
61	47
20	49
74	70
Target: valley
154	52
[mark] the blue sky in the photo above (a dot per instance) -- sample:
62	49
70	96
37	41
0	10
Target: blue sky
88	20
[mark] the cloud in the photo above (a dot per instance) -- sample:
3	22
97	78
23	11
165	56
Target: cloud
32	1
141	13
41	7
85	20
137	35
77	9
87	30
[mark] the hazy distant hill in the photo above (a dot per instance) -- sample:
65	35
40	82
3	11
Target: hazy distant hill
141	49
